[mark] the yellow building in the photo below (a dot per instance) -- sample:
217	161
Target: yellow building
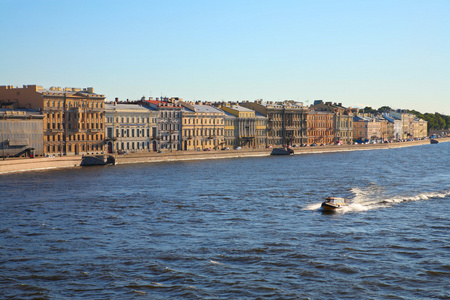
73	118
188	120
202	127
244	125
420	128
230	130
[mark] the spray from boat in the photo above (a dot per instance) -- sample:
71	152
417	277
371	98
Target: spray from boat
370	200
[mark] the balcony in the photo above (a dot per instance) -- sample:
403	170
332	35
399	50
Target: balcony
94	130
52	109
94	109
55	130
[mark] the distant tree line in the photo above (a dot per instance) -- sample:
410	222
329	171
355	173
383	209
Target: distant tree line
371	110
435	121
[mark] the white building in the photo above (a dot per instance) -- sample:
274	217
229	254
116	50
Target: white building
130	127
411	126
397	133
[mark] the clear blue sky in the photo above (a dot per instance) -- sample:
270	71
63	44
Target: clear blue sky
375	53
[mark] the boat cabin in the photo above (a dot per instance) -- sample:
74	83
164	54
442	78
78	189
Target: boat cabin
335	200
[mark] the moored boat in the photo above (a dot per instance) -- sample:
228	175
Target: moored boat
433	141
282	151
334	203
97	160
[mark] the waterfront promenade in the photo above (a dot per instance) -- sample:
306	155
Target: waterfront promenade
43	163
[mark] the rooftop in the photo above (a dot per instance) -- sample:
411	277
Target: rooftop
206	109
121	106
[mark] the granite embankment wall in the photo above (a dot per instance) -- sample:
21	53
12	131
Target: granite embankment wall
41	163
38	163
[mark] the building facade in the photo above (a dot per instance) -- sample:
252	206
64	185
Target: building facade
130	128
230	121
420	128
261	130
321	127
169	122
343	122
188	129
411	126
286	121
22	133
204	128
367	129
73	118
245	126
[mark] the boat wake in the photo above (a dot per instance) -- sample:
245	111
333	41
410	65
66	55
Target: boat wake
374	199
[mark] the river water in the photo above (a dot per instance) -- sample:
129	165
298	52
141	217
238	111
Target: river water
242	228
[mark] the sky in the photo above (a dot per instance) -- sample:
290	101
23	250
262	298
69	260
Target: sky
359	53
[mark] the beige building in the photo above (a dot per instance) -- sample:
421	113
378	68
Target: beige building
73	118
202	126
368	129
246	126
130	128
420	128
188	119
411	126
384	135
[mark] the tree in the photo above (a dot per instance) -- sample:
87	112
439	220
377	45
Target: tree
369	109
435	121
384	109
443	120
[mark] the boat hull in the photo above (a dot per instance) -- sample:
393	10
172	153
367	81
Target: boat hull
331	207
97	160
282	151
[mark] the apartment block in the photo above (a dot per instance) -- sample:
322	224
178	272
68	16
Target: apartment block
74	118
130	128
286	121
202	126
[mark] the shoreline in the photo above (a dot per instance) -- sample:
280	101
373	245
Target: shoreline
47	163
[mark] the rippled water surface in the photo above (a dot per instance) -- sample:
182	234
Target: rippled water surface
236	228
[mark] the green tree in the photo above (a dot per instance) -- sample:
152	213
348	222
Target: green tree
384	109
443	120
435	121
369	109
